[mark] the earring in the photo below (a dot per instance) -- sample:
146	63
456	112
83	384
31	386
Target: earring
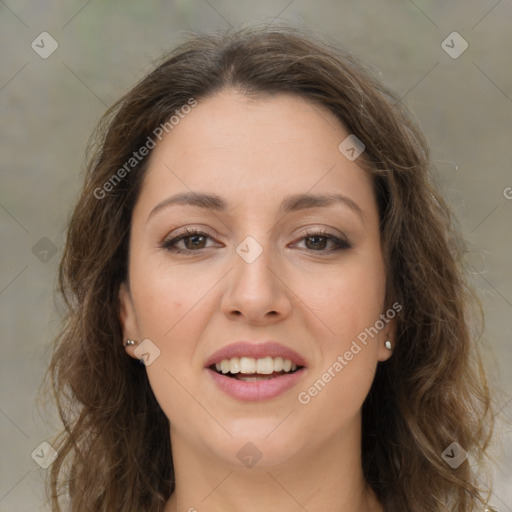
388	345
129	342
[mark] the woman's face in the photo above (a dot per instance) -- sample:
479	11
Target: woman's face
263	268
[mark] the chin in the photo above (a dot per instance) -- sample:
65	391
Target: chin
258	450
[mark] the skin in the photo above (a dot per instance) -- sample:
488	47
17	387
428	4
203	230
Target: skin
254	153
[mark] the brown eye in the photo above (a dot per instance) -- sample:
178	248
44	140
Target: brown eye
196	241
192	240
317	241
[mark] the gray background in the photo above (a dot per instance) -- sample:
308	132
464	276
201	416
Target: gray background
50	106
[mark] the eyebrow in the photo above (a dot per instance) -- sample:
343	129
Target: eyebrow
290	203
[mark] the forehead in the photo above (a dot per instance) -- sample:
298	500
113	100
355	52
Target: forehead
254	150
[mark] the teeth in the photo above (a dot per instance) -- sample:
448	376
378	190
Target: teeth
263	366
234	365
224	366
247	365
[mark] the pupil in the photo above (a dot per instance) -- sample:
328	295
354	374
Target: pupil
195	237
316	238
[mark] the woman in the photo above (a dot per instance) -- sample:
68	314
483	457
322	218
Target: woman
267	307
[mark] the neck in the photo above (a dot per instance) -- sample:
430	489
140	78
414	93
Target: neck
327	478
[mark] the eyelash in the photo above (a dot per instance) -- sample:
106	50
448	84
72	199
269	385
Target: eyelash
188	233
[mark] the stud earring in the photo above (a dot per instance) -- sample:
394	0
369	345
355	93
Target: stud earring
388	345
129	342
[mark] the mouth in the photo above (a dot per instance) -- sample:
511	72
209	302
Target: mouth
249	369
253	372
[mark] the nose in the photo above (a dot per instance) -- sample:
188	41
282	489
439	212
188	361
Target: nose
255	290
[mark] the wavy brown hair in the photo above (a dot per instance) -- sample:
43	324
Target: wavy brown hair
114	452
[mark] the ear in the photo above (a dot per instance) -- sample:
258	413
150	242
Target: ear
387	334
128	319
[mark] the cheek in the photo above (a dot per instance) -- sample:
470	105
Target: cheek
166	298
173	308
335	398
351	298
354	302
168	314
350	307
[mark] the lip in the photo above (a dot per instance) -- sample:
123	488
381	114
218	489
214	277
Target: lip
256	350
256	391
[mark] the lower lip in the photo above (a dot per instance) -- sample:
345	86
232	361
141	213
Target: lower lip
258	390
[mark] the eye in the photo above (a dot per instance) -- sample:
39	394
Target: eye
193	239
320	238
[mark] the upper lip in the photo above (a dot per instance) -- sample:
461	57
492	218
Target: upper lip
256	350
